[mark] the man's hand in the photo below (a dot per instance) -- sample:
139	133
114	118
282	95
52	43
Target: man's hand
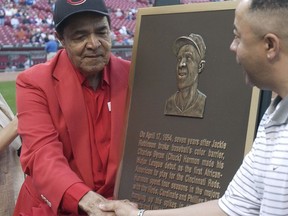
120	207
90	202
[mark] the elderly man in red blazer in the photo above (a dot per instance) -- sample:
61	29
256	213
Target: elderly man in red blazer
71	113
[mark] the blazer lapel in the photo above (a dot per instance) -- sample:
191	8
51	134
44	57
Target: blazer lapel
71	100
119	86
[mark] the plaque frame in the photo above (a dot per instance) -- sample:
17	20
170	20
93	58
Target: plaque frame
152	60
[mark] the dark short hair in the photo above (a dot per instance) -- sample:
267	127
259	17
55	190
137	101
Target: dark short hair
268	4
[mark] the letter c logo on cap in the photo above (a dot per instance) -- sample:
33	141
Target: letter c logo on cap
75	2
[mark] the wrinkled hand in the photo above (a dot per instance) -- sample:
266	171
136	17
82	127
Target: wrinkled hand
120	207
90	204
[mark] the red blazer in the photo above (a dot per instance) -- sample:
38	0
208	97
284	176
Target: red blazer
53	125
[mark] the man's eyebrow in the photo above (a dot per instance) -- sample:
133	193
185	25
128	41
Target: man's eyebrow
79	31
102	27
189	52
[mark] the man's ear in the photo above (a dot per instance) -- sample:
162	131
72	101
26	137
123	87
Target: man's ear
60	39
201	66
272	45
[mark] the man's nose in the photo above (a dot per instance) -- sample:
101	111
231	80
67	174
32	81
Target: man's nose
233	46
182	62
94	42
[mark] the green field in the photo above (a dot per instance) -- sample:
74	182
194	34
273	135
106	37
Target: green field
7	89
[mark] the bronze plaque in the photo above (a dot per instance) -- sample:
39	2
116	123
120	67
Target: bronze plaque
174	159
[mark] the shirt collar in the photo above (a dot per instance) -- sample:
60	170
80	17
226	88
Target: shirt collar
104	80
280	107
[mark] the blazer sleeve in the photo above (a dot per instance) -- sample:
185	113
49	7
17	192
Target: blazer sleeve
42	155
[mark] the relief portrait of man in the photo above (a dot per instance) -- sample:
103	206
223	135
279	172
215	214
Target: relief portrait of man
188	100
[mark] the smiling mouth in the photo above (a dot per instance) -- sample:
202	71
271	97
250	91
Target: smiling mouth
94	55
182	73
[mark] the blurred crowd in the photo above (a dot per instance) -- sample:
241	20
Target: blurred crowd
31	25
32	21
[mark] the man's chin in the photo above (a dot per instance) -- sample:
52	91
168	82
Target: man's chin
90	70
248	82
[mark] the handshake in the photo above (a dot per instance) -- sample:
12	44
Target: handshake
121	208
94	204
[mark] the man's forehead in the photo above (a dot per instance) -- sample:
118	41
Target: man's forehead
187	48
